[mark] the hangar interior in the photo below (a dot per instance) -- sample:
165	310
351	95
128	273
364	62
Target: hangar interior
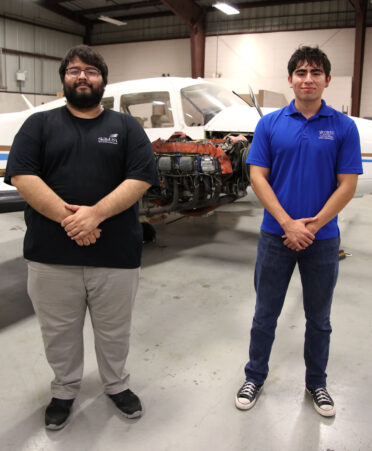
193	312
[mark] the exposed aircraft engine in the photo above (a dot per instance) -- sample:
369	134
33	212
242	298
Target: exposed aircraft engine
197	176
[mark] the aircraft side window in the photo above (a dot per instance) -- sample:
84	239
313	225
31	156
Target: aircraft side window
151	109
108	103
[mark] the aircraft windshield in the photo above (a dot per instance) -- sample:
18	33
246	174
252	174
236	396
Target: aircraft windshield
200	103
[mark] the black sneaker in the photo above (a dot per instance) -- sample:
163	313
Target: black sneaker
57	413
247	395
323	403
128	403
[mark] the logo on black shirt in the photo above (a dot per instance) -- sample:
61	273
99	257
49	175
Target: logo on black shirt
112	139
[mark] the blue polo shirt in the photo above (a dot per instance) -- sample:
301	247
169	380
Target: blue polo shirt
304	157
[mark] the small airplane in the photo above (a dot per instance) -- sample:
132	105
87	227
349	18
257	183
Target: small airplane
190	123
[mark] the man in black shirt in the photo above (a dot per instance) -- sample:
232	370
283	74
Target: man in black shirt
81	170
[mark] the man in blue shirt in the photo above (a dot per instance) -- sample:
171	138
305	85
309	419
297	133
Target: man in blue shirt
305	160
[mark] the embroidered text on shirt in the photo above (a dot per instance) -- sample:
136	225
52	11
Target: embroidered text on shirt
112	139
327	134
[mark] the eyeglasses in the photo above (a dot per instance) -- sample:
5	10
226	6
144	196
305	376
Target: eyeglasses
90	72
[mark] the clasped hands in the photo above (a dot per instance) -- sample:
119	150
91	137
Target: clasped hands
300	233
82	225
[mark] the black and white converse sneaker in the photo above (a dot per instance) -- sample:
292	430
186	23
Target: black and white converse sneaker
247	395
323	403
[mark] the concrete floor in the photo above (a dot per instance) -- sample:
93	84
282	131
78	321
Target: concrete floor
189	346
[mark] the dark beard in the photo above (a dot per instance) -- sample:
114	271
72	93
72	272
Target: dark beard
83	100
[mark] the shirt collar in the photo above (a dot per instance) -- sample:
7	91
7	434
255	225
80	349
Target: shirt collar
325	110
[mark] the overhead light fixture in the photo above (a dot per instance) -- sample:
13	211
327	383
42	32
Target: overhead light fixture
226	8
112	21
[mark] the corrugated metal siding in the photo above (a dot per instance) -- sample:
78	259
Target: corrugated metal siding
42	73
29	10
51	81
10	69
54	43
2	63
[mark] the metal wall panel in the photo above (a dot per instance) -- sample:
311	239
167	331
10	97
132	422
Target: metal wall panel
19	36
9	71
2	63
29	38
51	81
27	65
54	43
2	32
38	79
30	11
42	73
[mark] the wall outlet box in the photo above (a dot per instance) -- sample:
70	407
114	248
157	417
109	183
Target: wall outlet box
20	76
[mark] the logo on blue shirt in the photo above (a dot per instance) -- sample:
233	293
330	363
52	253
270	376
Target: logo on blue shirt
327	134
112	139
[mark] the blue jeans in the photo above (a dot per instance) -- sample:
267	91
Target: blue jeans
318	266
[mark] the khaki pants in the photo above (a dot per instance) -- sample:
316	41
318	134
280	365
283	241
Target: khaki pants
60	296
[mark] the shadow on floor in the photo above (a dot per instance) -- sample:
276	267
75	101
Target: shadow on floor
18	437
172	240
187	233
15	304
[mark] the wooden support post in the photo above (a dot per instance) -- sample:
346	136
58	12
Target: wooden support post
194	16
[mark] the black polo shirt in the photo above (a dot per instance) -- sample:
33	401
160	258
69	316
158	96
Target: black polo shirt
83	160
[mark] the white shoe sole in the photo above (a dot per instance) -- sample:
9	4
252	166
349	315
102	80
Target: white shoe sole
242	406
131	415
56	427
325	413
322	412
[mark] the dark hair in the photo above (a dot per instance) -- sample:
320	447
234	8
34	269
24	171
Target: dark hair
312	55
86	54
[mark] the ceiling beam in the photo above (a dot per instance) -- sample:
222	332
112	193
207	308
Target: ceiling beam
124	7
187	10
55	8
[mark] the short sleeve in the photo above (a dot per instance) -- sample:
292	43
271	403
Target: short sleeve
140	162
349	158
259	153
25	153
